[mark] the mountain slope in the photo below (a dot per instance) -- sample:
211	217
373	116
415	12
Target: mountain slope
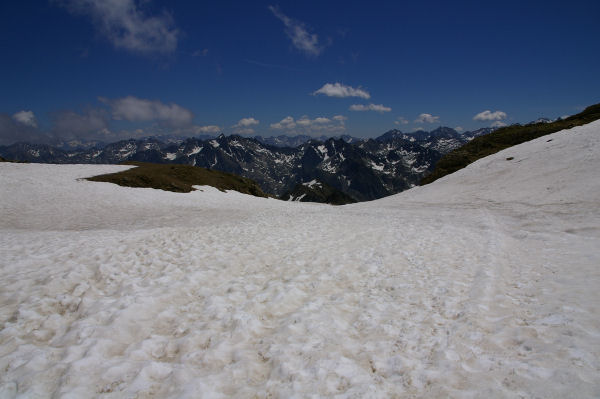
503	138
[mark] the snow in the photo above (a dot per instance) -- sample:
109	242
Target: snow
328	166
376	166
214	143
171	156
323	150
299	198
482	284
312	183
196	150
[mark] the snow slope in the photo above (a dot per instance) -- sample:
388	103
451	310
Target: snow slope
483	284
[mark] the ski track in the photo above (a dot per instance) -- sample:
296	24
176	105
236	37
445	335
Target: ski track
116	292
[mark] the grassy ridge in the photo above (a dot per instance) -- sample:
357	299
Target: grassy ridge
2	159
179	178
504	138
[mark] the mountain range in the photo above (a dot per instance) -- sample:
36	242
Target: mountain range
361	169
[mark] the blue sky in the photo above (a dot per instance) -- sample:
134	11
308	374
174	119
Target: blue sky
91	69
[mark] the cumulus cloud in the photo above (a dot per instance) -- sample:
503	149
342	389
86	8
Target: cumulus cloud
427	118
245	122
305	125
286	123
135	109
304	41
401	121
490	116
244	126
498	124
340	90
210	129
127	26
370	107
26	118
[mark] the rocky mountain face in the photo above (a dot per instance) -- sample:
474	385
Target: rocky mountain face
295	141
361	169
316	191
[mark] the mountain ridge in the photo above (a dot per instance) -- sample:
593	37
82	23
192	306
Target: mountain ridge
362	169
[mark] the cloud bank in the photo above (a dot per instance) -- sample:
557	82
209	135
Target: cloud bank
135	109
26	118
20	127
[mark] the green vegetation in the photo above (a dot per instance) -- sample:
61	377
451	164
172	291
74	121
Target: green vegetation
179	178
504	138
2	159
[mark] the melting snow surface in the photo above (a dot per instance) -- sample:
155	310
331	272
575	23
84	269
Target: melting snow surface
483	284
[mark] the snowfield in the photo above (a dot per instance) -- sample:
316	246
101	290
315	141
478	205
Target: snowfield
484	284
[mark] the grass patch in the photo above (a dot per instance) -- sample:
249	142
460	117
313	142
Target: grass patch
503	138
179	178
2	159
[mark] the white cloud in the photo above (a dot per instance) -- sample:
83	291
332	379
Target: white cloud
305	125
401	121
285	123
135	109
321	120
245	122
297	32
427	118
490	116
126	26
207	129
26	118
459	129
243	126
340	90
498	124
371	107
